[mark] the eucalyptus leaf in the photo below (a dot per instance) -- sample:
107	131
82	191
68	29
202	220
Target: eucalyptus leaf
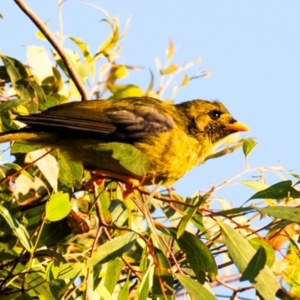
194	288
19	230
278	191
58	207
241	252
283	213
113	249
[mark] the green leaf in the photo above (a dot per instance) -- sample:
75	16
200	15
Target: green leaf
18	229
198	255
124	91
234	211
112	39
52	233
283	213
241	252
112	274
24	147
58	207
51	84
70	173
278	191
255	265
19	168
255	185
113	249
124	292
34	281
83	47
248	145
190	213
194	288
143	286
67	270
8	105
122	158
26	87
172	68
162	279
256	243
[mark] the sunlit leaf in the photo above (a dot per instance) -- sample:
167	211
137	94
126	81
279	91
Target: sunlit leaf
112	39
124	292
194	288
185	80
172	68
256	185
26	87
278	191
162	278
198	255
284	213
122	158
18	229
170	50
248	145
256	243
112	273
57	207
18	168
190	212
241	252
7	105
124	91
83	47
39	62
113	249
255	265
70	173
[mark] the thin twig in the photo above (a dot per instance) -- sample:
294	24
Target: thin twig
51	39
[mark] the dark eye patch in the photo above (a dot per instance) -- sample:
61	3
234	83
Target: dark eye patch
214	114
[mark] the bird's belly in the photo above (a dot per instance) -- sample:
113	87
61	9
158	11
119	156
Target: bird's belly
171	156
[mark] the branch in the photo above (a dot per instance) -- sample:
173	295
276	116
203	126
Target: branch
51	39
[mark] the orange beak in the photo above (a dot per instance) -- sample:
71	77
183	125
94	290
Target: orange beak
237	126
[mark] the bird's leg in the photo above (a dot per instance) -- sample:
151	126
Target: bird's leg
100	175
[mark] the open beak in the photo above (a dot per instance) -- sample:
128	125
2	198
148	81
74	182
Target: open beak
237	126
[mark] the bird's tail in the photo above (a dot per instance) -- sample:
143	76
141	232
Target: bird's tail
24	134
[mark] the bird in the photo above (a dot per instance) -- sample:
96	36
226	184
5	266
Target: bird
174	137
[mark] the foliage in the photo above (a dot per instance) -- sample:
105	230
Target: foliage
60	240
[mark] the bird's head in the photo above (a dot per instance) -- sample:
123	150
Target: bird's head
211	119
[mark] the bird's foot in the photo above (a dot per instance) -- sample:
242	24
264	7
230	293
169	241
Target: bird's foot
100	175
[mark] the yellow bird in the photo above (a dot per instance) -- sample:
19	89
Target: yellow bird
174	138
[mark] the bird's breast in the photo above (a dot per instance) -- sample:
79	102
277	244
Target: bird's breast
172	154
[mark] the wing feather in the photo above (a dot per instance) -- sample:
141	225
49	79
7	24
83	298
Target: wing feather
111	122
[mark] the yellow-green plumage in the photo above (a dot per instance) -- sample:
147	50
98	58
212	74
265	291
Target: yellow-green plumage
175	138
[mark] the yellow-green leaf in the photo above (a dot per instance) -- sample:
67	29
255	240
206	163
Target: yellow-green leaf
194	288
248	145
58	207
241	252
278	191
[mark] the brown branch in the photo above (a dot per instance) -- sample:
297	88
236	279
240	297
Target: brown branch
51	39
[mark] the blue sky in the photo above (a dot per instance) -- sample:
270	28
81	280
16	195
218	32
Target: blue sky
251	47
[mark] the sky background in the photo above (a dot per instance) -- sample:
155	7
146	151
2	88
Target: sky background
252	49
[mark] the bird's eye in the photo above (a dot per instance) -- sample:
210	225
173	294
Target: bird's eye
214	114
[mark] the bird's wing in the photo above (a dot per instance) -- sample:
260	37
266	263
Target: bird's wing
108	122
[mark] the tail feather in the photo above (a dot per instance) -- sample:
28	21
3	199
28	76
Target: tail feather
22	134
